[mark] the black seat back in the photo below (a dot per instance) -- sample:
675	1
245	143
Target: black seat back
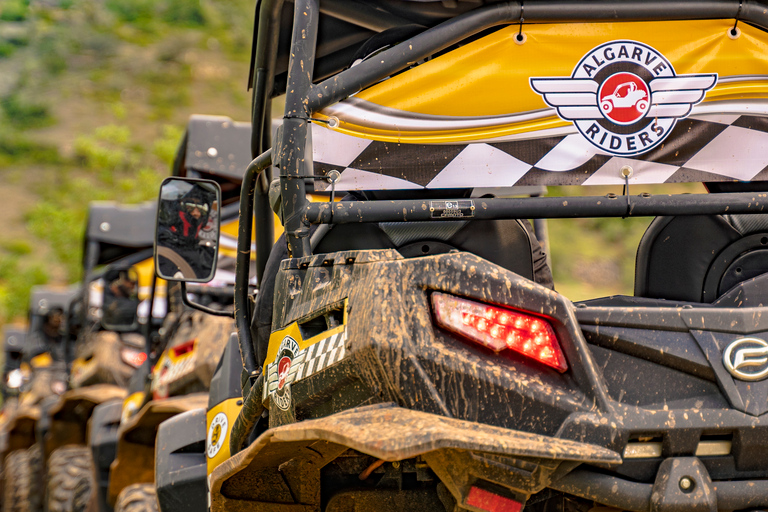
505	242
699	258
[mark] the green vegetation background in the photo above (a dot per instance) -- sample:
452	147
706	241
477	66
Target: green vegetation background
94	97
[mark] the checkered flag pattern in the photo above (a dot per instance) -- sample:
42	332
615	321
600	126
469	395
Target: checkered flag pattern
309	361
322	354
718	147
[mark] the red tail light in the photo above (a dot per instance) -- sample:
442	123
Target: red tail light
132	356
485	500
499	329
184	348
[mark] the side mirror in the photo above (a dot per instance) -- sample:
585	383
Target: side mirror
120	299
187	234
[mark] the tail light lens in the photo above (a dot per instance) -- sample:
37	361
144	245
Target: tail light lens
184	348
500	329
132	356
491	502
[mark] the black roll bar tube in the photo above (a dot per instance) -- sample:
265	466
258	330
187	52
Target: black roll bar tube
454	30
644	205
268	18
291	149
253	173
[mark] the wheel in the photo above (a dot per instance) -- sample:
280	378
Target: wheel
35	457
137	498
641	106
70	475
607	106
18	482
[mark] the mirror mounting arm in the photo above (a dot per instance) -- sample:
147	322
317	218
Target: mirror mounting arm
215	312
243	261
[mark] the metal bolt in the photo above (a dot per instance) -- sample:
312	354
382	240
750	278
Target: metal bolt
626	171
333	122
395	464
333	176
104	226
212	152
686	483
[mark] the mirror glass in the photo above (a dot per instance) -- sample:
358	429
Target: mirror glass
120	299
187	236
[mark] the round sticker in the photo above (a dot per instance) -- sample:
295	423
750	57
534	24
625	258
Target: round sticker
217	432
624	98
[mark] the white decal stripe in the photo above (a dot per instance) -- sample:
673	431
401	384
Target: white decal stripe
300	373
321	362
547	85
672	110
570	153
690	96
571	99
321	345
717	156
683	82
311	368
571	113
332	358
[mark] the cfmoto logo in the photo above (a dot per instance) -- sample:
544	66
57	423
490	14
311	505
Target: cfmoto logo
747	359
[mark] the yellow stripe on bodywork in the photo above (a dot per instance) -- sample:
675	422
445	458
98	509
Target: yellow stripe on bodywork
490	76
293	331
231	408
131	405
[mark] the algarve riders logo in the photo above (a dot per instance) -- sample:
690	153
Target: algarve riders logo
286	355
624	96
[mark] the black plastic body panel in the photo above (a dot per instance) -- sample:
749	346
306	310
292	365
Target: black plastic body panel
651	370
102	441
180	463
225	383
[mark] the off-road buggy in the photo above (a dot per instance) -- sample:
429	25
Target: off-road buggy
34	382
14	339
176	376
109	346
416	357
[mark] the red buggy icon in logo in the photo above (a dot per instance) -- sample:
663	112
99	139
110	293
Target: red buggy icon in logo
624	96
287	355
283	367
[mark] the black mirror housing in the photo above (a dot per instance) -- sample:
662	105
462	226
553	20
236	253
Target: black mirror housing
187	232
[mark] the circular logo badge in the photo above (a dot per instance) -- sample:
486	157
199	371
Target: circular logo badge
624	96
747	359
217	432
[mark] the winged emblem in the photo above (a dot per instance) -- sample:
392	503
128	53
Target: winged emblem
670	97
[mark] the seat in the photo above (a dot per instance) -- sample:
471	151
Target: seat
507	243
699	258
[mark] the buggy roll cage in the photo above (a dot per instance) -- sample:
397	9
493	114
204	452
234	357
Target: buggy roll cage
304	98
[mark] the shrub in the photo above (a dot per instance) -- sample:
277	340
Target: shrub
23	114
14	10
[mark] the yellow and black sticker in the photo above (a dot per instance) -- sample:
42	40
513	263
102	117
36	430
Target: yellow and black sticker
219	421
291	359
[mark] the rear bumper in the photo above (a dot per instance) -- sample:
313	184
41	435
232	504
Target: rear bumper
180	464
103	443
459	452
668	492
